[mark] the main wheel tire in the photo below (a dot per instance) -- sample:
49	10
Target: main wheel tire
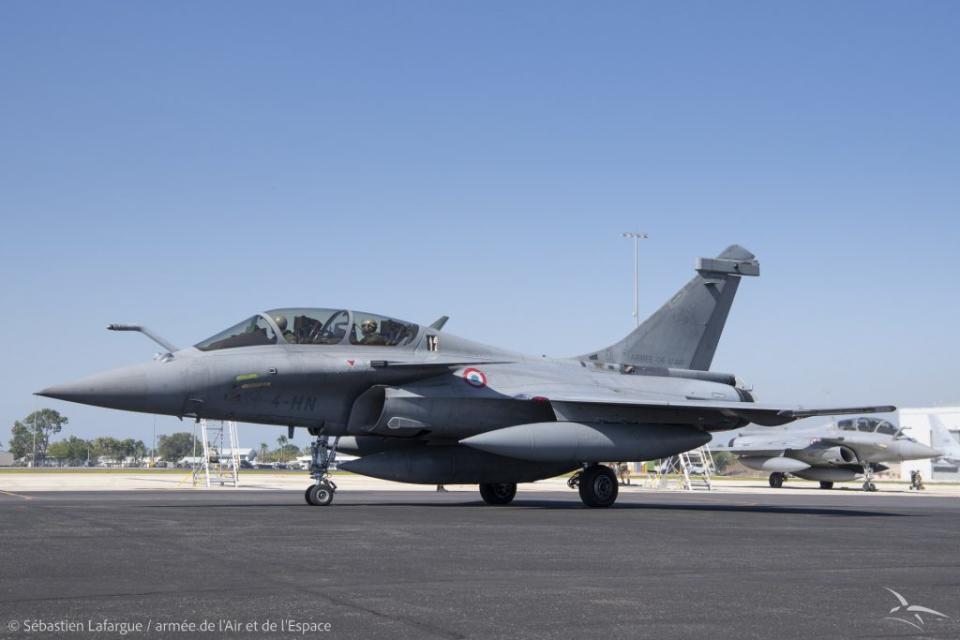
319	495
598	486
869	486
776	479
498	492
826	484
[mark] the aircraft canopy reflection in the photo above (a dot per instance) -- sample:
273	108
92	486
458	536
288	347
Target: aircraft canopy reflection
314	326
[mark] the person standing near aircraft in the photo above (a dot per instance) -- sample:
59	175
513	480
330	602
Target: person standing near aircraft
916	481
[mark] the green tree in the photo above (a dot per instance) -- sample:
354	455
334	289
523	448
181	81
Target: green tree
72	451
21	444
32	436
137	450
723	460
288	451
105	446
175	446
122	449
129	448
58	451
264	452
282	441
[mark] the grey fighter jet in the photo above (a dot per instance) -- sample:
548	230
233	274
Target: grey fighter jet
417	404
835	452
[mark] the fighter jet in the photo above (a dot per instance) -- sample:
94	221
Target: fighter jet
420	405
834	452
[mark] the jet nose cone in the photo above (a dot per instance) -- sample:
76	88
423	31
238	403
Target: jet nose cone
919	451
118	389
58	392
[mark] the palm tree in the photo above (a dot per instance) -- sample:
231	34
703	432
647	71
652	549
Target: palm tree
263	452
282	441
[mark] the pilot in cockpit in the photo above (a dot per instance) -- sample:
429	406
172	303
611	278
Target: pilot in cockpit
370	334
281	321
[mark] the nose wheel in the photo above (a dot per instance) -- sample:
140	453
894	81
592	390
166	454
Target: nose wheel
320	494
322	453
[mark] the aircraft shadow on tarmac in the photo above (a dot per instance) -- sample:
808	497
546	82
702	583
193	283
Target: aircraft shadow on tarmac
552	505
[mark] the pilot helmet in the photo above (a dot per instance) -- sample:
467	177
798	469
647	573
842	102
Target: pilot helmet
369	325
281	321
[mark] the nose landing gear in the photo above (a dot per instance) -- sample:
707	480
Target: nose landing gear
322	456
320	494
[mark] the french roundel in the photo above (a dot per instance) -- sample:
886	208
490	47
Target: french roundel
475	377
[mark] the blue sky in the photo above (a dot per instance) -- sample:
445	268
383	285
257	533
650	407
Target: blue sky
187	164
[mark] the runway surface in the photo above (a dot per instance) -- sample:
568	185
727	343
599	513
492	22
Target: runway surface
421	565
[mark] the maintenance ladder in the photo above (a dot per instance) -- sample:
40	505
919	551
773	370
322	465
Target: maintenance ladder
218	465
696	466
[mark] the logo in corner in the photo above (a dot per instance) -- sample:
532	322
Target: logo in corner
905	607
475	377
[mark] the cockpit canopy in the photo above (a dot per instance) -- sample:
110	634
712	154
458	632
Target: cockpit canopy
314	327
868	425
251	332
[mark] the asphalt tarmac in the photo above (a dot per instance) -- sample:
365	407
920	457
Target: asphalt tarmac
397	564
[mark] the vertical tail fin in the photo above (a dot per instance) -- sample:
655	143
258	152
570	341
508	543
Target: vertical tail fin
943	440
685	331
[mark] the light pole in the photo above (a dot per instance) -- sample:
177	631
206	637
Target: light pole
637	237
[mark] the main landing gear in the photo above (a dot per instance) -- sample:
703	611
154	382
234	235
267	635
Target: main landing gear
868	478
322	456
597	484
498	493
777	479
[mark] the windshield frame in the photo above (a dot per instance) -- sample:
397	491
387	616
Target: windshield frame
277	336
